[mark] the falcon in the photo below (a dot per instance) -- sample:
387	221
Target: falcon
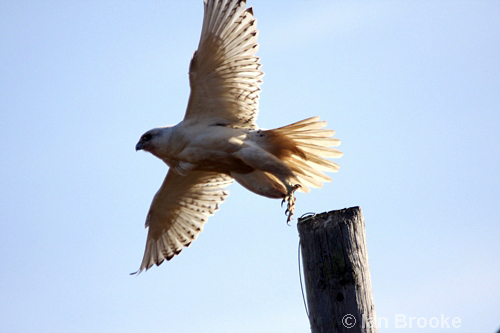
218	140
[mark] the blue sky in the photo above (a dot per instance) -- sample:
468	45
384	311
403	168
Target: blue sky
412	89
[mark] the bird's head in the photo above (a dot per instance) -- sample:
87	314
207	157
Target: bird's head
147	140
154	141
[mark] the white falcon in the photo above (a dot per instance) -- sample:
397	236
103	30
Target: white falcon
219	141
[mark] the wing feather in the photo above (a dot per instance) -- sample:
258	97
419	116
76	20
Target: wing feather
224	74
178	212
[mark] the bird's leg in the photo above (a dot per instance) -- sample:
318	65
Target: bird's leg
290	200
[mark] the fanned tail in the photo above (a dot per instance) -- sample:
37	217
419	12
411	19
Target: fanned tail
308	143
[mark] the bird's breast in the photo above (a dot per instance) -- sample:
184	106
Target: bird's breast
213	148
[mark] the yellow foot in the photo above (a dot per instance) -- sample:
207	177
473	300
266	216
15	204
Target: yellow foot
290	200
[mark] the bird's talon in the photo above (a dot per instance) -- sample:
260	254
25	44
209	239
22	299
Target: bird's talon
290	200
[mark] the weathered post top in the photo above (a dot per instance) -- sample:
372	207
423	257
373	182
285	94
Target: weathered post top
336	272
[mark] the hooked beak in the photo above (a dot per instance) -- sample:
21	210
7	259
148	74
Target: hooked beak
139	146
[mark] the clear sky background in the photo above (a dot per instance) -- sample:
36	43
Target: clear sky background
411	87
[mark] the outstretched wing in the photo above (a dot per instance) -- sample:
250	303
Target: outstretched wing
178	212
224	73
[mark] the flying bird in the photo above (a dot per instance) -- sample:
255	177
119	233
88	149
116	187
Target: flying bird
218	140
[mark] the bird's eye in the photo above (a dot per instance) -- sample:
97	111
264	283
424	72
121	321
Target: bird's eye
146	137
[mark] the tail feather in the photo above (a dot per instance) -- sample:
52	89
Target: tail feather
306	124
323	133
321	141
312	145
322	164
306	180
319	150
309	171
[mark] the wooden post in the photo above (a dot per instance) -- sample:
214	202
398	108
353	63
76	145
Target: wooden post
336	272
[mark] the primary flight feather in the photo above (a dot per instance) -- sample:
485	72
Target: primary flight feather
219	141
